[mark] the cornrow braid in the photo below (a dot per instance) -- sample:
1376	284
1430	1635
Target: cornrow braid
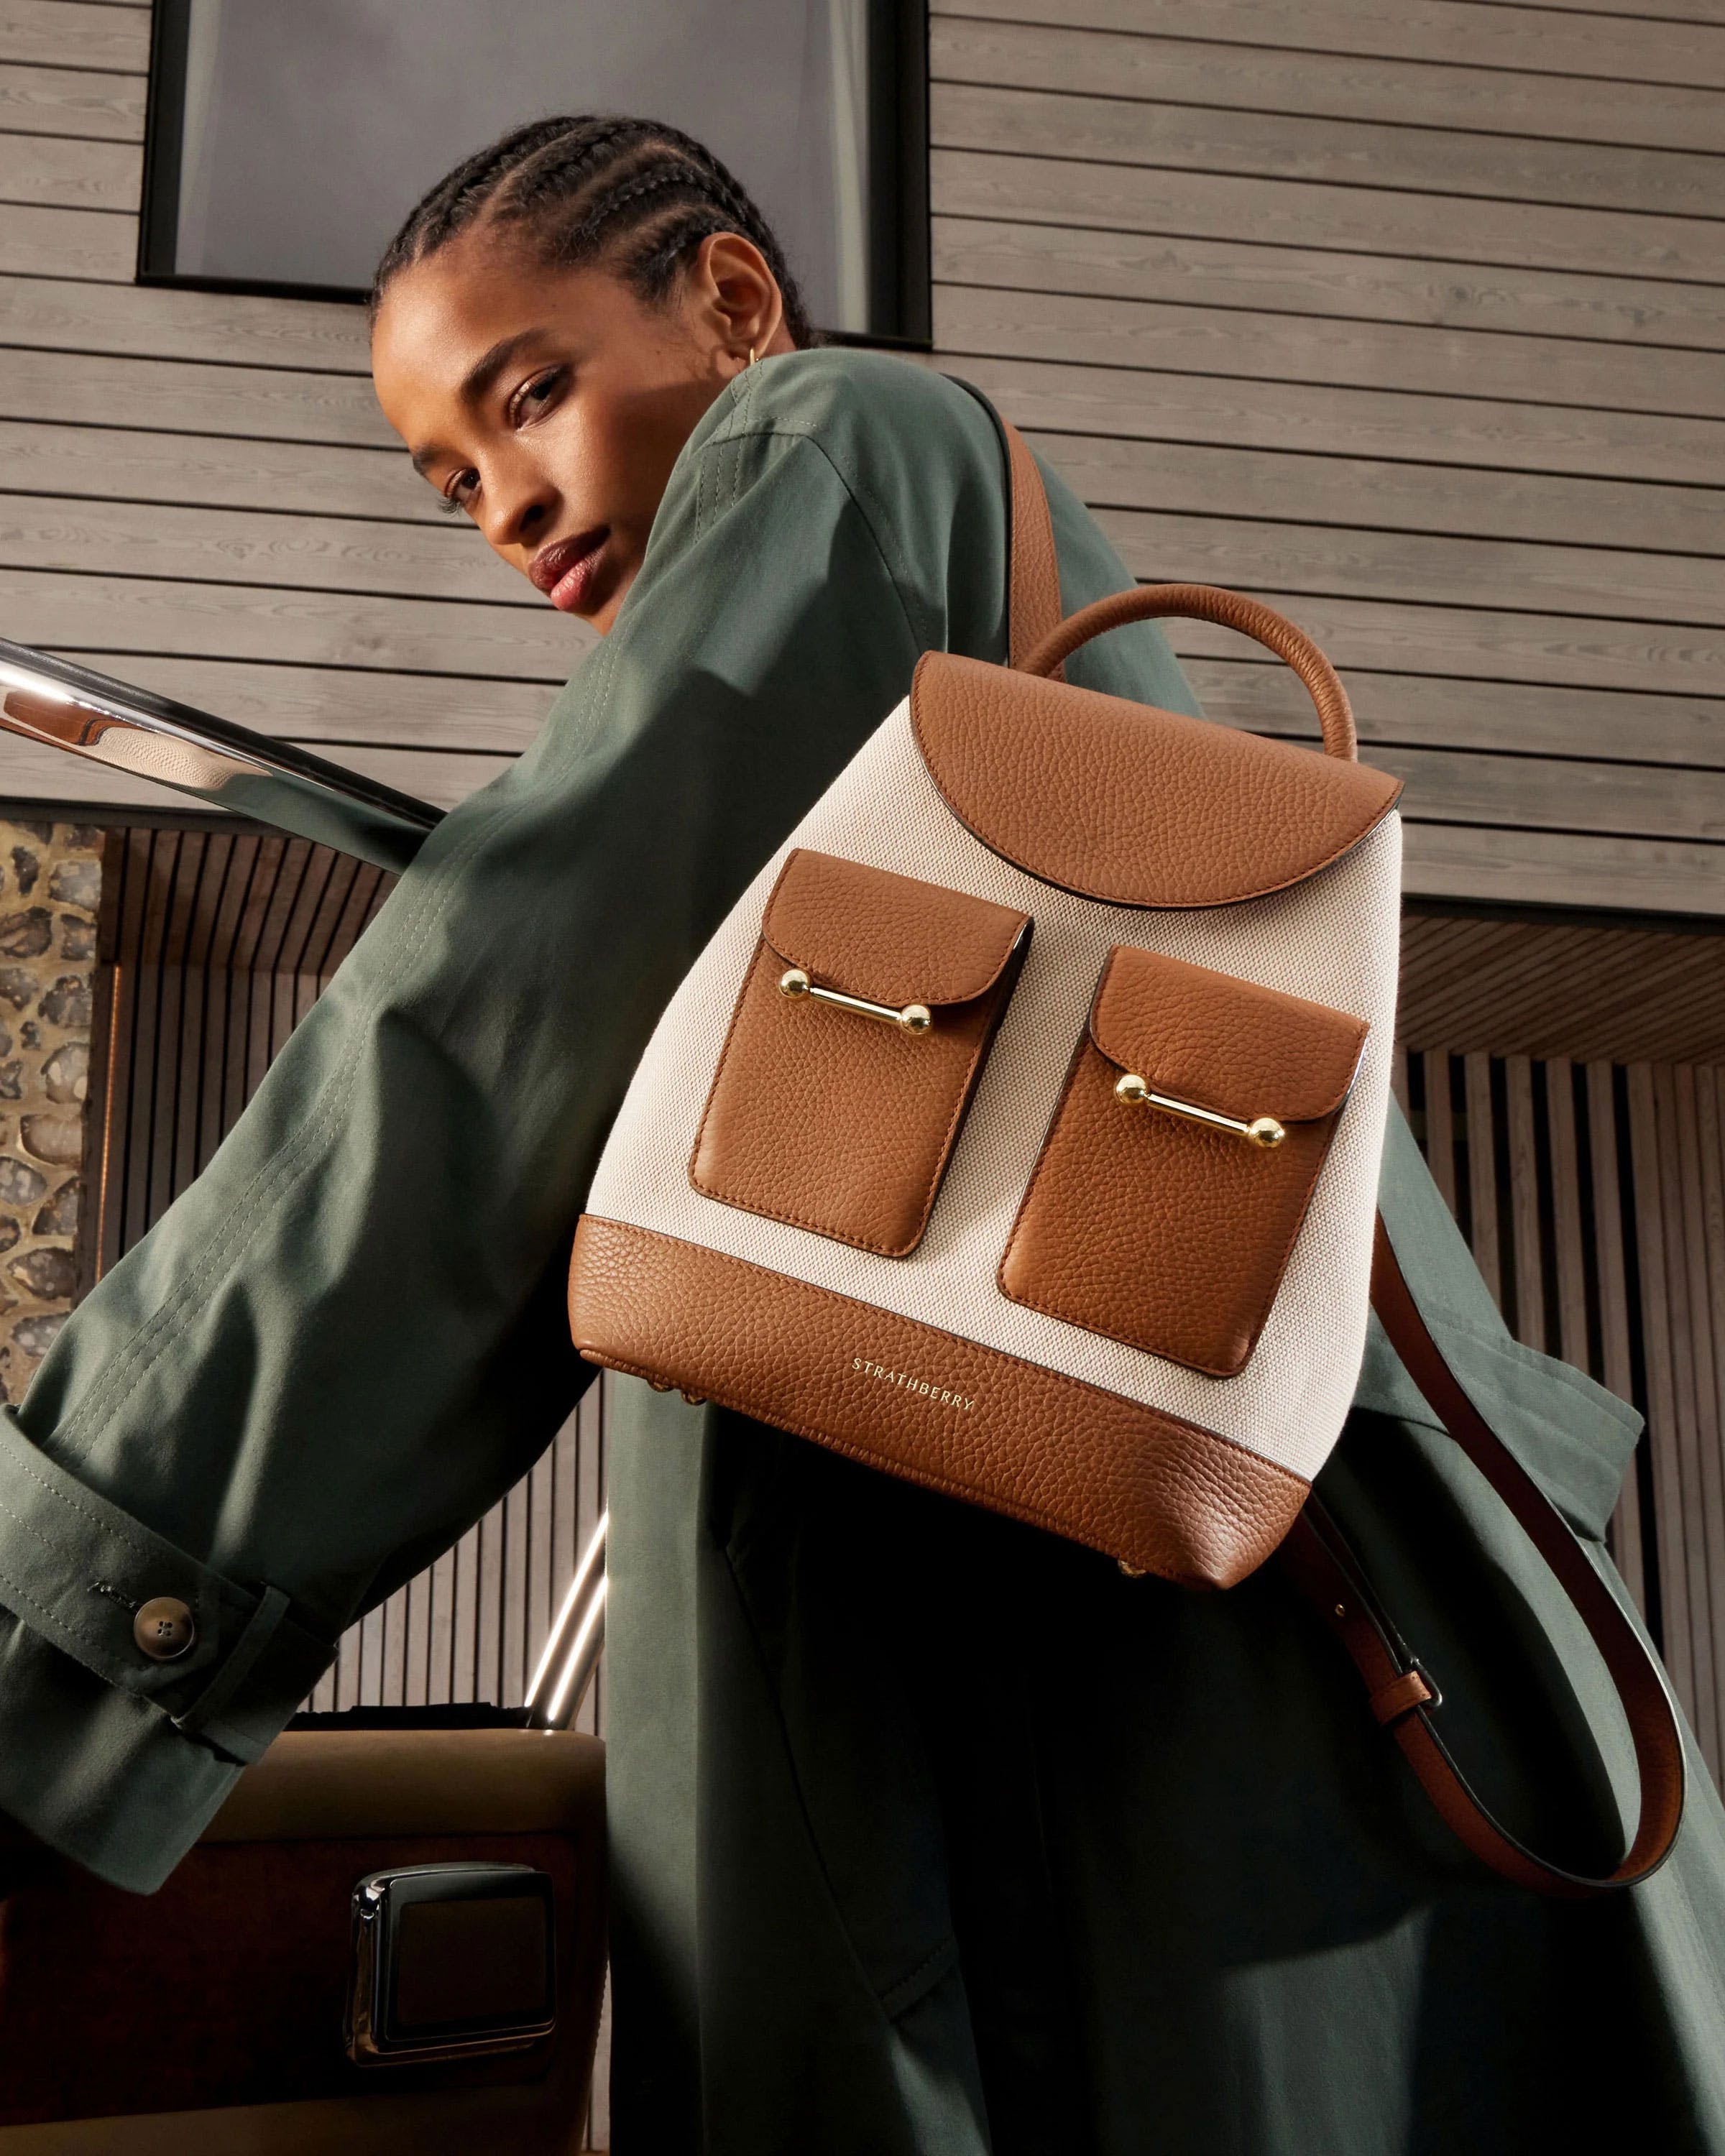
636	195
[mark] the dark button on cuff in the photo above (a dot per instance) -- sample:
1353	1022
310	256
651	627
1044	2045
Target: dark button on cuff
163	1628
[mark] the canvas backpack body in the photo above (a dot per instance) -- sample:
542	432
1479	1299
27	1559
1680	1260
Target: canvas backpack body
1086	1236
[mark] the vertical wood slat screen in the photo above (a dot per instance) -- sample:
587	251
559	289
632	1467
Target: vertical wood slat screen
1593	1195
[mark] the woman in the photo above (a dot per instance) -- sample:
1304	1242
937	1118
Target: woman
929	1832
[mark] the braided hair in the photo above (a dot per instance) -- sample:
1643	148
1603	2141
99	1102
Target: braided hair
635	194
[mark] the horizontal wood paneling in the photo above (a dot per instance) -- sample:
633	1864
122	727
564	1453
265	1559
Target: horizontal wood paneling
1440	430
1511	867
1376	493
74	612
310	478
1335	286
1059	186
1616	48
270	406
433	560
235	329
1406	315
84	107
1418	711
68	33
35	241
1456	431
362	556
1533	792
1435	570
1475	645
1328	86
1681	11
45	168
1430	160
1238	342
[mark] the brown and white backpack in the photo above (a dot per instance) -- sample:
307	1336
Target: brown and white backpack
1018	1131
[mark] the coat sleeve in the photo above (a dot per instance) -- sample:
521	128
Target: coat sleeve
347	1339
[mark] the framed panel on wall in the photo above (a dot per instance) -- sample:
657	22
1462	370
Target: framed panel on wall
285	144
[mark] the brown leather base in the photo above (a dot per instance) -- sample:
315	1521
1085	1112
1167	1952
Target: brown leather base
1160	1495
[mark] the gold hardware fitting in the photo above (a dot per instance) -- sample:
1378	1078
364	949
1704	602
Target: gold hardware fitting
1132	1571
1262	1131
914	1018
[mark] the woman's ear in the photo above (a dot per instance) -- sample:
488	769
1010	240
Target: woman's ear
735	302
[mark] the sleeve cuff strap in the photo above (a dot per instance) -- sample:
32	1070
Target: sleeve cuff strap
76	1570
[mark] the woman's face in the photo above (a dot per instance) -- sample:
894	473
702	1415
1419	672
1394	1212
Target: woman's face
550	405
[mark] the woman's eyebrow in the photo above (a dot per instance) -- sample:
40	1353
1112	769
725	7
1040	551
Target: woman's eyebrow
479	376
474	383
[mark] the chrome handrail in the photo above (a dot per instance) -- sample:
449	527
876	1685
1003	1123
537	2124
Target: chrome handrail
133	729
575	1642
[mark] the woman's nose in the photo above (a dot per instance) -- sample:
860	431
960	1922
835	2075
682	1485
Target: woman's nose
521	509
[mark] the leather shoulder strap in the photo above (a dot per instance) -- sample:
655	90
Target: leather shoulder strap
1035	588
1403	1696
1032	586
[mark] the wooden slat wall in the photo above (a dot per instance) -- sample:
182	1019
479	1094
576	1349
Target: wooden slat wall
1407	314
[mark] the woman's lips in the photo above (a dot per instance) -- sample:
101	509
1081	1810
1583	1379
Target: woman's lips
566	572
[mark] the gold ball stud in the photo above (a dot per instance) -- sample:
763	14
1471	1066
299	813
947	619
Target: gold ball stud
794	983
916	1017
1132	1088
1265	1131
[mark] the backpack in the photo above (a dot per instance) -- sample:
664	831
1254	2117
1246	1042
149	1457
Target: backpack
1017	1133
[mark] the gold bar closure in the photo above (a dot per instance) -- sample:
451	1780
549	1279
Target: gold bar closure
1262	1131
914	1018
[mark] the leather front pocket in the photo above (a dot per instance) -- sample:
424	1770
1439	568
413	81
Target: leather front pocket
1164	1205
855	1050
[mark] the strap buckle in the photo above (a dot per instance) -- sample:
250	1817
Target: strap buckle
1412	1690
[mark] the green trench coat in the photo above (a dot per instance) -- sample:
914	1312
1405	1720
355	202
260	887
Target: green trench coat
929	1833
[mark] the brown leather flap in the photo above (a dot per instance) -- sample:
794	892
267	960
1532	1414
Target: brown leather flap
1222	1043
1122	802
886	938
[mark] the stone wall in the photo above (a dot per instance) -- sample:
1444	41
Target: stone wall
50	883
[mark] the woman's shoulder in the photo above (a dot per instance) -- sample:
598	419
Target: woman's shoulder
868	411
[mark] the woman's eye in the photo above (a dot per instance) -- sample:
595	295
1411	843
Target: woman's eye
459	494
533	396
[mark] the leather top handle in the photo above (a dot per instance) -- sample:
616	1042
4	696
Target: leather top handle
1231	610
1404	1696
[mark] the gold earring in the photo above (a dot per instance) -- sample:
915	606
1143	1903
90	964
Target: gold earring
752	355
